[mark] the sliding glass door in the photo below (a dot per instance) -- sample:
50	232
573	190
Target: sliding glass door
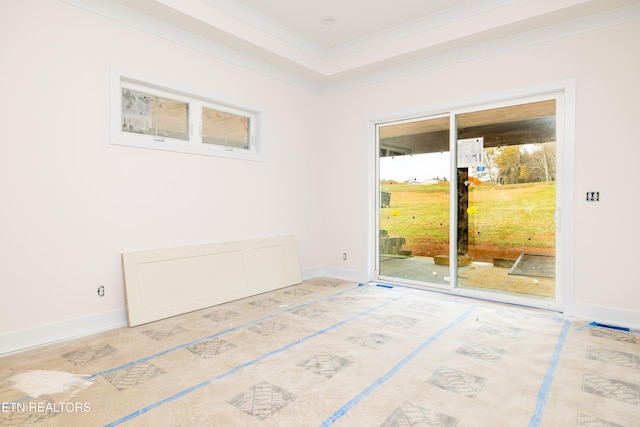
507	200
414	181
467	201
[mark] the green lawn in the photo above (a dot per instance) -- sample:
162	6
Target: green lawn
503	215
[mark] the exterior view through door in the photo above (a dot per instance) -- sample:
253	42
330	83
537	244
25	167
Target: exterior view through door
476	217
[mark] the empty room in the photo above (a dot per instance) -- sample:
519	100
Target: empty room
296	213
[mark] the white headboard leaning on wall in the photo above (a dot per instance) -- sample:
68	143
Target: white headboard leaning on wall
161	283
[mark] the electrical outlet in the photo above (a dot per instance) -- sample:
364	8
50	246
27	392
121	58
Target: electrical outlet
593	196
100	291
344	256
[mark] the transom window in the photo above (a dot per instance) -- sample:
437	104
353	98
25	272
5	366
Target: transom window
226	129
149	115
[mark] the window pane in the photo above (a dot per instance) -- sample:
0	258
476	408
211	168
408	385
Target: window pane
136	112
153	115
414	166
172	118
226	129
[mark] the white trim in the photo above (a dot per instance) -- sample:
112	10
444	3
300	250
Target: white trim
279	67
587	312
60	331
257	20
567	212
133	19
606	315
545	94
372	198
369	76
336	273
561	90
426	26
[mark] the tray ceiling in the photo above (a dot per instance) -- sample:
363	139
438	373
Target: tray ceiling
366	35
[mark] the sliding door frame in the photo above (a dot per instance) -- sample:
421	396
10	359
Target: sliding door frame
564	95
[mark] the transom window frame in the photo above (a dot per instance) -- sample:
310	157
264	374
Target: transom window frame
196	102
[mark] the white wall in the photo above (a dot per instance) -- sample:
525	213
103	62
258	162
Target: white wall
71	202
607	145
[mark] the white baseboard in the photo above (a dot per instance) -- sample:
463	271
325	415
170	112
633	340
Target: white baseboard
23	339
605	315
15	341
335	273
592	313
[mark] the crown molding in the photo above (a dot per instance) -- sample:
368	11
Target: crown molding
530	38
452	36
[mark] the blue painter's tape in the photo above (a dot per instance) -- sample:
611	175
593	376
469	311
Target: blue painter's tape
364	393
619	328
589	325
244	365
226	331
543	394
181	346
602	325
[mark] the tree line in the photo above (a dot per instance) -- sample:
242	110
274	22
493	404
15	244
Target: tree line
513	164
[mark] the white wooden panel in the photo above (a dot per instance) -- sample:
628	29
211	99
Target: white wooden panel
266	267
161	283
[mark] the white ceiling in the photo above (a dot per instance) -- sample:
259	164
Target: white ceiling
353	19
368	35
